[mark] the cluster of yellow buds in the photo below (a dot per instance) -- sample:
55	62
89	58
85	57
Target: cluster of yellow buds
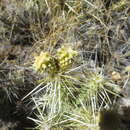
65	56
45	62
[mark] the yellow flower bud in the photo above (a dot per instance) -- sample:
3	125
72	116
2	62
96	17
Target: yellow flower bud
41	62
65	56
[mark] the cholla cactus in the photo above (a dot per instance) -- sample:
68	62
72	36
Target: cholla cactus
45	62
65	56
58	87
95	84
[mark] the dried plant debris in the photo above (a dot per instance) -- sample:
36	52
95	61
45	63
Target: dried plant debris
21	25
